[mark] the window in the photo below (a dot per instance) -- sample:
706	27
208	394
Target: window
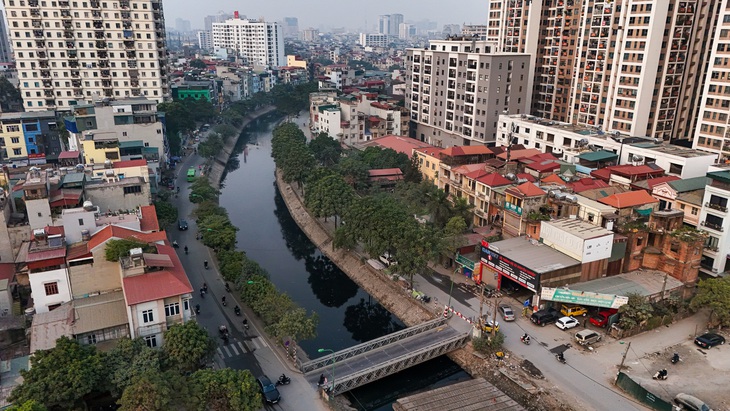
81	221
151	341
694	211
132	189
51	288
91	339
172	309
147	316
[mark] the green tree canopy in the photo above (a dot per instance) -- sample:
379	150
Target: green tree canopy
9	95
188	345
225	131
166	213
714	294
199	64
635	312
329	196
225	390
326	149
202	191
129	360
211	147
116	249
218	232
62	376
454	235
178	119
30	405
355	172
152	391
295	324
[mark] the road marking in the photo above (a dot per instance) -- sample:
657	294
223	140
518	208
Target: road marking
240	344
228	353
220	352
233	347
263	342
253	341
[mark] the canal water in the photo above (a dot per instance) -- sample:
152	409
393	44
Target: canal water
347	314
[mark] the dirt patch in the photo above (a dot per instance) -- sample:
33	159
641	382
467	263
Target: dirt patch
530	368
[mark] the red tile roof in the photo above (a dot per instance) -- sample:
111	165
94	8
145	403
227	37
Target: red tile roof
518	154
115	231
78	251
587	184
149	219
431	151
476	174
465	169
552	178
628	199
385	172
494	180
69	155
526	189
157	285
627	170
65	197
528	177
46	254
400	144
543	165
130	163
457	151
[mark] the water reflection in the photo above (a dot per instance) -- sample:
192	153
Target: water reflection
368	320
330	285
296	241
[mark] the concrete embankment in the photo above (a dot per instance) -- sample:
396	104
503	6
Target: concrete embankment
218	167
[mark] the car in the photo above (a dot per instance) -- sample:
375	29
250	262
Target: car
573	310
690	402
587	337
489	325
387	259
601	319
709	340
182	225
566	323
506	312
268	390
544	317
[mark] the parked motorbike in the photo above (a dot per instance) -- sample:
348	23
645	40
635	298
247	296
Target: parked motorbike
675	358
283	380
175	244
205	264
525	339
237	310
660	375
560	357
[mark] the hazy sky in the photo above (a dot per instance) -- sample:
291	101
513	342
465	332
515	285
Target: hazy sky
329	13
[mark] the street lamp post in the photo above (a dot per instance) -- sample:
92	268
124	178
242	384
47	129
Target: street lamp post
333	368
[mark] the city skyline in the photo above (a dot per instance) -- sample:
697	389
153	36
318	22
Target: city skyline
324	16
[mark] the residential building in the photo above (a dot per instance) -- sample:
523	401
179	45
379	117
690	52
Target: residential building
457	88
197	90
715	222
205	40
71	52
257	42
310	34
640	80
45	260
117	130
296	61
685	195
488	204
219	18
591	149
6	53
406	31
520	202
451	30
631	205
357	118
290	27
29	138
587	243
373	40
389	24
478	31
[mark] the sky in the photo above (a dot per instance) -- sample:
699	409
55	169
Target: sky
327	13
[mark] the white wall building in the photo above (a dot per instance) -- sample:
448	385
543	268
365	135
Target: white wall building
205	40
580	240
373	40
406	31
715	221
75	51
257	42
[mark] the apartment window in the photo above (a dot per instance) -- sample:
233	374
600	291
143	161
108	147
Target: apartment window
132	190
172	309
151	341
148	316
91	339
695	210
81	221
51	288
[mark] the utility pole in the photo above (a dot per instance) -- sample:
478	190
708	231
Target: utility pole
494	318
621	367
481	308
664	285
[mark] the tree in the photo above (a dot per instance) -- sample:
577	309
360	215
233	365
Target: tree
115	249
149	392
225	131
166	213
715	295
201	110
326	150
129	360
198	64
439	206
9	96
355	172
636	312
178	119
30	405
412	173
188	346
62	376
232	117
211	147
201	190
225	390
296	325
329	196
218	232
453	238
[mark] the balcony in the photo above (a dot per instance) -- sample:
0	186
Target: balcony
513	208
713	226
717	207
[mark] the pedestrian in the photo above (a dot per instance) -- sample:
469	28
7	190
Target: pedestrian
584	323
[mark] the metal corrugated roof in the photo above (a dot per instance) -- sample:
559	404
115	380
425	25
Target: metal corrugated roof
689	184
601	155
157	260
99	312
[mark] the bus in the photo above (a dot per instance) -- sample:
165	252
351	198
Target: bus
191	174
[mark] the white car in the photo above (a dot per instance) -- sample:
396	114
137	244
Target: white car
565	323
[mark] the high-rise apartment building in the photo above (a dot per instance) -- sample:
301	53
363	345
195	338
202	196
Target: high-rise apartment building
310	34
205	40
219	18
457	88
384	24
290	27
406	31
182	25
394	26
256	41
69	52
624	65
373	40
5	52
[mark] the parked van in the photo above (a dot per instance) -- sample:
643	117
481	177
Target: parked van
587	337
573	310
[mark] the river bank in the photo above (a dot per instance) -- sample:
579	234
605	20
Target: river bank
217	169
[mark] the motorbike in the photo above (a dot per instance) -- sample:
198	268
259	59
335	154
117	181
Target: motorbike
237	310
660	375
228	288
202	293
283	380
197	308
186	250
205	287
175	244
560	357
245	323
675	358
205	264
223	331
223	301
525	339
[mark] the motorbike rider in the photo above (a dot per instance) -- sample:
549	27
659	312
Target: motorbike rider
561	357
205	264
186	249
525	338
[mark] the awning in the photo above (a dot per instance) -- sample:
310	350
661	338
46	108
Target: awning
129	144
645	212
600	155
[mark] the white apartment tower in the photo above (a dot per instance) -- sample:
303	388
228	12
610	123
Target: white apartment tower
256	41
5	52
76	51
205	40
457	88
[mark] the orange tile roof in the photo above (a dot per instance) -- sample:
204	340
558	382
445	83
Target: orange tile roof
400	144
431	151
115	231
149	219
518	154
552	178
468	168
528	177
526	189
494	180
456	151
130	163
628	199
587	184
157	285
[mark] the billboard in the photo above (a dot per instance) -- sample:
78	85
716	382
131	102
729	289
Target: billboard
583	297
515	271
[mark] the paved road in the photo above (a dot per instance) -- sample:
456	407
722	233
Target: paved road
246	349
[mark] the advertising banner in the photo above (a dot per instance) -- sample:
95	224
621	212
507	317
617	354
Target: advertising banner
515	271
583	297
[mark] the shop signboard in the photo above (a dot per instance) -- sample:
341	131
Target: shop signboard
578	297
508	268
467	263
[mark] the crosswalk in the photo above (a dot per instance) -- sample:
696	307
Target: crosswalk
237	348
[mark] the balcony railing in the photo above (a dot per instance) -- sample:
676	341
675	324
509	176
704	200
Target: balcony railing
717	207
716	227
511	207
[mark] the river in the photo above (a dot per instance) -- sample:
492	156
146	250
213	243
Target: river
347	314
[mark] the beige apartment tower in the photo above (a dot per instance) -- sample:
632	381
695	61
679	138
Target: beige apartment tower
633	66
71	52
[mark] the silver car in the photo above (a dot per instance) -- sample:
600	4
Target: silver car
506	312
690	402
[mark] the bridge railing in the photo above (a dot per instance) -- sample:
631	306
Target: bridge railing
322	362
398	364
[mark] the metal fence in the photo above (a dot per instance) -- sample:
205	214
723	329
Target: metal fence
643	395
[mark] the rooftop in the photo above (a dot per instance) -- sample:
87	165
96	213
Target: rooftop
494	180
690	184
587	184
157	285
579	228
538	257
527	189
475	394
643	282
650	183
401	144
674	150
629	199
99	312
